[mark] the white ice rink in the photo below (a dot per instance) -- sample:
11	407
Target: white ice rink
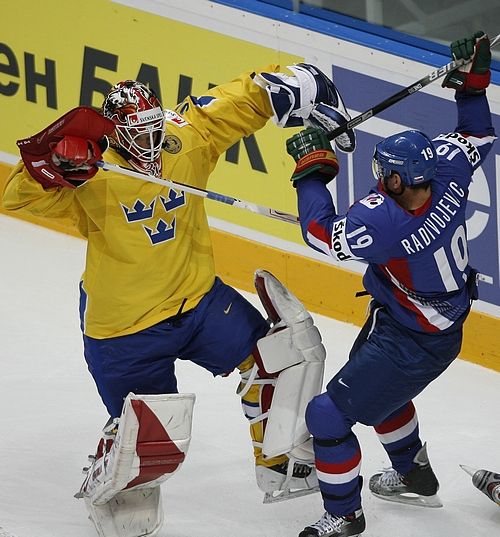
51	415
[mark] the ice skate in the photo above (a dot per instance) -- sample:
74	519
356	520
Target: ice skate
279	483
485	481
336	526
418	487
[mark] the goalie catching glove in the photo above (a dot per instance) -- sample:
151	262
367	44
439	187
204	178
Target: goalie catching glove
312	153
474	77
66	152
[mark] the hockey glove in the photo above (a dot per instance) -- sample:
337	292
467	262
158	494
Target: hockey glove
313	154
309	99
327	118
474	77
65	153
75	158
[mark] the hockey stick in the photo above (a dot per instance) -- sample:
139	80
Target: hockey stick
253	207
417	86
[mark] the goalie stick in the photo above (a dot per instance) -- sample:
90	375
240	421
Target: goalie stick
253	207
409	90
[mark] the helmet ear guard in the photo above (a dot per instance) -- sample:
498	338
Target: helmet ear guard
410	154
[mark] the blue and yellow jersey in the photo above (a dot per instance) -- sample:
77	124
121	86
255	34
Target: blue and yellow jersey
148	246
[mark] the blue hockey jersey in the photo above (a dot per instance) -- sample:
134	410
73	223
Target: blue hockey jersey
418	263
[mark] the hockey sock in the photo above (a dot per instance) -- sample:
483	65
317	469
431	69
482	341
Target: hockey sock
399	434
337	456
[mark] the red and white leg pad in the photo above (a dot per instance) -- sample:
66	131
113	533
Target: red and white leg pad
122	486
288	373
291	352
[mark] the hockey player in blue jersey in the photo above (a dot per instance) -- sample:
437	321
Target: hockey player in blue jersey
411	230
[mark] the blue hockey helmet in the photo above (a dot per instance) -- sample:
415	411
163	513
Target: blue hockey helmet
408	153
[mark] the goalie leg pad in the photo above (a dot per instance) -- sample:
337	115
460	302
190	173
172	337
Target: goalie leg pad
130	513
294	355
151	442
286	427
277	381
289	473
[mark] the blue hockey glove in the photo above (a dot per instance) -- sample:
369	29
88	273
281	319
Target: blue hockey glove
312	153
473	77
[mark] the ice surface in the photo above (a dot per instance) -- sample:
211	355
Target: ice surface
51	416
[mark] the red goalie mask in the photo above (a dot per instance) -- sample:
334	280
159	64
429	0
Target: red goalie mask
140	124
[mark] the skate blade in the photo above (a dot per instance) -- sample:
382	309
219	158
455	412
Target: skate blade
283	495
412	499
468	469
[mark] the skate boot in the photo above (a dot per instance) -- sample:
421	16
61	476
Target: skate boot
285	481
418	487
336	526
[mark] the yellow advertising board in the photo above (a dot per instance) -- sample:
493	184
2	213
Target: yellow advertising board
65	54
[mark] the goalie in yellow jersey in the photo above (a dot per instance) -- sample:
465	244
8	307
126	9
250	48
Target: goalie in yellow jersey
149	294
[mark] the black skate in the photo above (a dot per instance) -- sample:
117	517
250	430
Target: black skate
300	471
280	482
418	487
336	526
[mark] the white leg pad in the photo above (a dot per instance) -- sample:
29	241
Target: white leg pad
286	427
294	350
122	487
130	513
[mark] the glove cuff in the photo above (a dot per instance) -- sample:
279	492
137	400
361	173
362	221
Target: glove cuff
476	81
323	161
472	83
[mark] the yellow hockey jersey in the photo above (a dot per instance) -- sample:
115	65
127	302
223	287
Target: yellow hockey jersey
148	246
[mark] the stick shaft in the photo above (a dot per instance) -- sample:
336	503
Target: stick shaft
409	90
208	194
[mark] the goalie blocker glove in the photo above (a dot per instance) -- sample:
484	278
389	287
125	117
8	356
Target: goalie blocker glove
474	77
308	99
66	152
313	154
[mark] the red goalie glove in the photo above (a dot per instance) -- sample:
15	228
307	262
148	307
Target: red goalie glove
65	153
